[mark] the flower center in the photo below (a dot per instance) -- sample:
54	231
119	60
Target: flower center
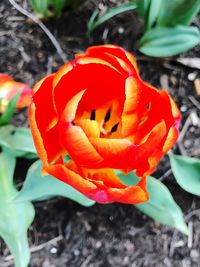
106	125
107	120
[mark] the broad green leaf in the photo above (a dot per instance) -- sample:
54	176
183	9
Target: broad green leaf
37	187
161	206
94	22
175	12
15	218
19	140
10	109
164	42
186	170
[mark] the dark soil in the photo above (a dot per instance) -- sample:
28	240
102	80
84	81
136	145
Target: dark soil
103	235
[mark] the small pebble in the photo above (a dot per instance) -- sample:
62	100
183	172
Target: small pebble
192	129
183	108
167	262
120	30
76	252
98	244
192	76
53	250
126	260
179	243
197	86
194	254
111	218
187	143
194	118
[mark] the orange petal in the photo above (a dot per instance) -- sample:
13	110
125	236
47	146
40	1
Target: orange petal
25	96
4	78
117	153
132	61
150	151
129	195
76	143
37	138
70	177
69	112
130	114
92	60
61	72
123	154
171	139
90	127
175	111
107	176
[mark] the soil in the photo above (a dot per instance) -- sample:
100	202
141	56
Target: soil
65	233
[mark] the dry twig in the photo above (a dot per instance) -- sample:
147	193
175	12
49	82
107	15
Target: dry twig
54	240
42	26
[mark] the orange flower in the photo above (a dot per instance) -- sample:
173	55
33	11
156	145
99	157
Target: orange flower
9	88
97	110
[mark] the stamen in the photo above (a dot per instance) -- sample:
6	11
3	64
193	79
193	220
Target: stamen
142	120
114	128
107	117
92	115
102	130
148	106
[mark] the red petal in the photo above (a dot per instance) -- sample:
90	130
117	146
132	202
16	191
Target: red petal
101	81
9	88
113	50
44	128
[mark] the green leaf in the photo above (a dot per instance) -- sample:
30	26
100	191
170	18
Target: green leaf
58	6
19	140
37	187
164	42
128	179
91	22
49	8
186	170
10	109
175	12
143	8
15	218
161	206
94	22
40	7
154	9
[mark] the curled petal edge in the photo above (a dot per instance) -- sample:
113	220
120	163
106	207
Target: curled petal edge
127	195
